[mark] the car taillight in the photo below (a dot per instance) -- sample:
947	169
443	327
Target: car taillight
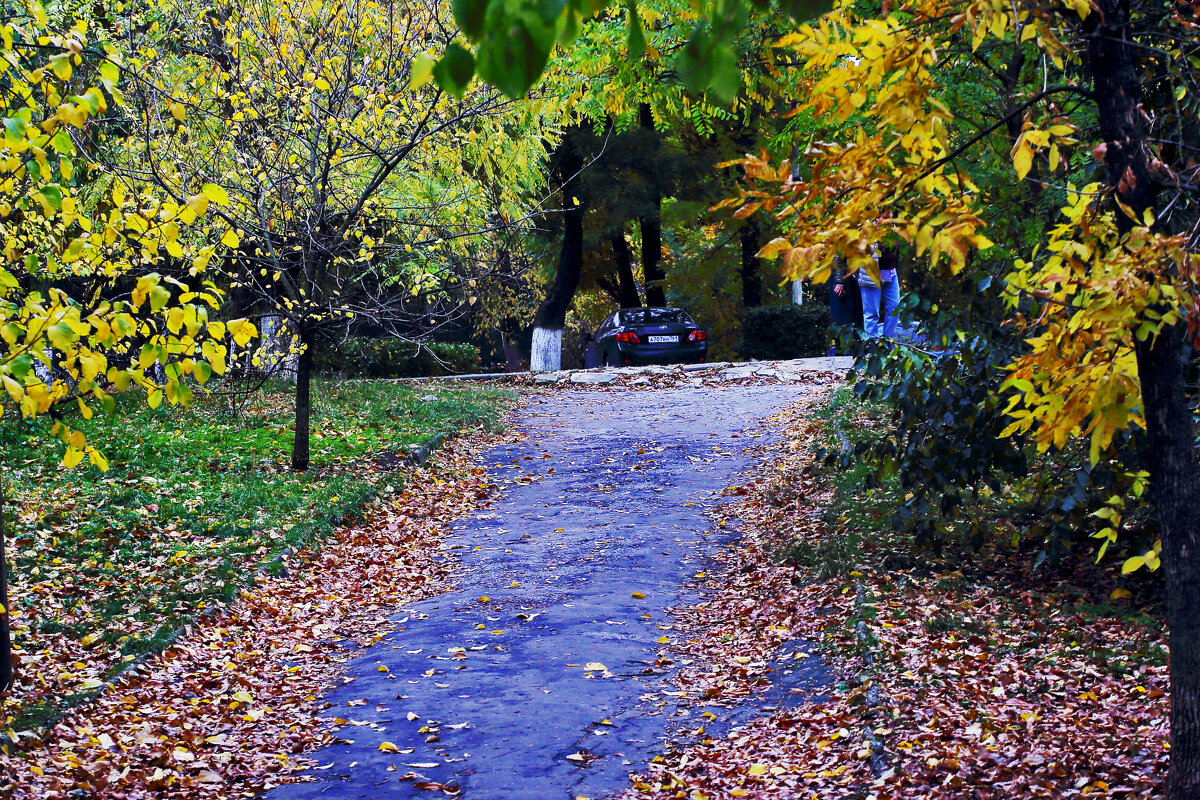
628	337
697	336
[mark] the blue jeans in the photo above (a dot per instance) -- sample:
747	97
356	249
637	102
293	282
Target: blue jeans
871	295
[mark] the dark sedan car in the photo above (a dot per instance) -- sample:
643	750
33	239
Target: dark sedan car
647	336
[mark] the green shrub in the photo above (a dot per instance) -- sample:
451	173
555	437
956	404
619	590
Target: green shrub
774	332
360	357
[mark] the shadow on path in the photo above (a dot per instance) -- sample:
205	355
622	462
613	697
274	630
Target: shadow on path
537	679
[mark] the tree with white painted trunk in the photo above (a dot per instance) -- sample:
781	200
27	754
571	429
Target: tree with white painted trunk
546	349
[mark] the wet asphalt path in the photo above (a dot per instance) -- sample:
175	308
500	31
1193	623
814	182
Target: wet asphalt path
546	650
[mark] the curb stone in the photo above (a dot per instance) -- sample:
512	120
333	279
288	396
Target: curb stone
877	760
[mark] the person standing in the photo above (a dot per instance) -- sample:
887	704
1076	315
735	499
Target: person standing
884	295
845	299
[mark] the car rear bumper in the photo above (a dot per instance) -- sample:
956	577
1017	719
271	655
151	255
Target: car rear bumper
685	353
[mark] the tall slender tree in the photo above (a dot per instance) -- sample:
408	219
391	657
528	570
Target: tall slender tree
651	221
567	166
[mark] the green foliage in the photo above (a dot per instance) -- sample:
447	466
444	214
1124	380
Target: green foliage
361	357
944	445
791	331
63	231
514	38
953	472
861	504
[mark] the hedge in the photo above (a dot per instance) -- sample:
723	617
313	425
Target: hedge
778	332
361	357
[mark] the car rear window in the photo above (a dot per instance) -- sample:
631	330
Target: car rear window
643	316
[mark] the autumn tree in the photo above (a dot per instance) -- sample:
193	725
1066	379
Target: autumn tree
84	312
350	177
1107	295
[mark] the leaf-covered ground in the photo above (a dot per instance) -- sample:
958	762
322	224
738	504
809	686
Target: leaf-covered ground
228	709
981	680
106	567
986	681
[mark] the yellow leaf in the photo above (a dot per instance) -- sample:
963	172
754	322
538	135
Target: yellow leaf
230	239
595	666
388	747
61	336
1022	158
758	769
198	204
243	697
241	330
774	248
421	71
638	595
159	296
214	193
97	458
1132	564
61	65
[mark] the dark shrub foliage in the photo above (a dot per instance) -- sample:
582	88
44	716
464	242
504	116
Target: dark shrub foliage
773	332
360	357
945	444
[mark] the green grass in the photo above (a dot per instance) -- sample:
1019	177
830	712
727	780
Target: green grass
857	518
847	422
194	501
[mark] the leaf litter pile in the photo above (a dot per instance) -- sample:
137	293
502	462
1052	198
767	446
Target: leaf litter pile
993	682
231	708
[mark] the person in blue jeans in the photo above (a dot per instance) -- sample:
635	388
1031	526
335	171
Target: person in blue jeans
889	293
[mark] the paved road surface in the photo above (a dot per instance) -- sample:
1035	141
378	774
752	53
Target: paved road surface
498	692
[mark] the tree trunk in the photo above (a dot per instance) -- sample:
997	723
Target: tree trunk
1171	462
512	353
651	226
751	277
6	655
627	291
546	351
1170	455
1014	123
303	403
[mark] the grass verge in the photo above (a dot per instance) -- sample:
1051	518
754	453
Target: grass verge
108	566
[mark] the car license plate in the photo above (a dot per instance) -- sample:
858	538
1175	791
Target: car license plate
662	339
